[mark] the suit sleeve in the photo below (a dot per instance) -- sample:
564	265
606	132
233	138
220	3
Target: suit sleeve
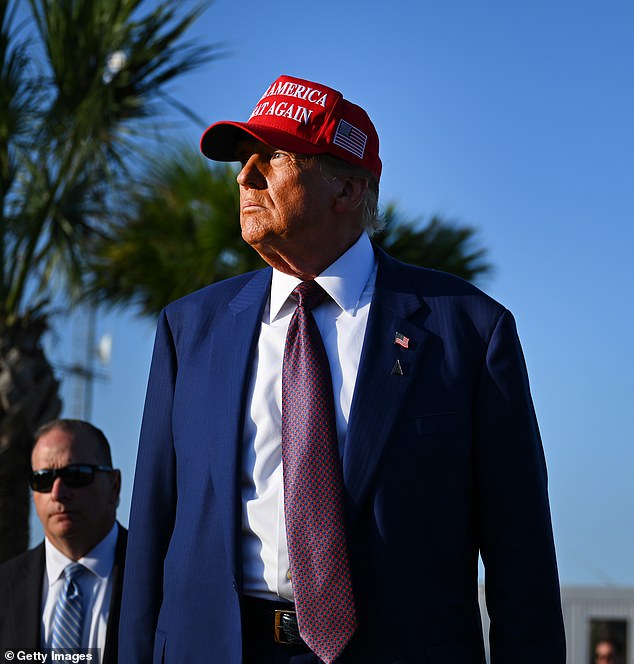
153	507
516	543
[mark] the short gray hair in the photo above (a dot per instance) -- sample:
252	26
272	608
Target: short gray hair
332	167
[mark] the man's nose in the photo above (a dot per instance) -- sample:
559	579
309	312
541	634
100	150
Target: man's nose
250	175
59	490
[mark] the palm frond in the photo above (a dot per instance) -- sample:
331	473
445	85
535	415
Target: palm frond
108	65
439	244
182	233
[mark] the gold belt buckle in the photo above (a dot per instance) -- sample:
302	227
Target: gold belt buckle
279	633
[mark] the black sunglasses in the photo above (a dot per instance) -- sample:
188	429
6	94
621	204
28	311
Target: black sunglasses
74	476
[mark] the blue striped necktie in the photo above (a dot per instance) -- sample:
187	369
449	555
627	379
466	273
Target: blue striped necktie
68	619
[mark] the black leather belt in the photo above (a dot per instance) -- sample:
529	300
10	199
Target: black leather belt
278	617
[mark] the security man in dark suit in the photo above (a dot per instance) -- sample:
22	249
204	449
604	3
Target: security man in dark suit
76	493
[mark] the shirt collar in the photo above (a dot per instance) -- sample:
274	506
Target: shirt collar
99	560
344	280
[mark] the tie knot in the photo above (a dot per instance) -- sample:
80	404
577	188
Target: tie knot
72	571
309	294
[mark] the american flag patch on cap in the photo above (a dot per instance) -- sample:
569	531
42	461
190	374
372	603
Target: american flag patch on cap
350	138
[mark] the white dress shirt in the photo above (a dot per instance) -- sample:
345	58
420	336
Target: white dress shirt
341	320
95	585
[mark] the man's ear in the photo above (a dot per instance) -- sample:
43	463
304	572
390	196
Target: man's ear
350	194
115	486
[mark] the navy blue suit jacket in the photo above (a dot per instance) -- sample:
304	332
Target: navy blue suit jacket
441	461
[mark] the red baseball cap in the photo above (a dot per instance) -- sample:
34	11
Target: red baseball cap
302	117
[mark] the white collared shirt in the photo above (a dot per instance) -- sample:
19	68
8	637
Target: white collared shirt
95	585
341	320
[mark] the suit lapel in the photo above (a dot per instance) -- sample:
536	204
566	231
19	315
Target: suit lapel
27	600
232	351
110	655
379	391
385	374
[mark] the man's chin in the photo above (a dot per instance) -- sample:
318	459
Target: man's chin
63	523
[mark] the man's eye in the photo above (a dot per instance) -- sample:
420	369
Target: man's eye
278	155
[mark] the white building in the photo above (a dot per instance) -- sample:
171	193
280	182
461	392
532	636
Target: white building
592	613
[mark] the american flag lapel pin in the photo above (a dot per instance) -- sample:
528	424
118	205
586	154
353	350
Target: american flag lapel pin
401	340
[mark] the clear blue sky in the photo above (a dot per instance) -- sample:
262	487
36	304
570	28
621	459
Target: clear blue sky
516	118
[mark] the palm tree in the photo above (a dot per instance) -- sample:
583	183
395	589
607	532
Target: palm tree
183	232
82	84
439	244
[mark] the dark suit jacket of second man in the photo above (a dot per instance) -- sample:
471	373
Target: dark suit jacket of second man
21	580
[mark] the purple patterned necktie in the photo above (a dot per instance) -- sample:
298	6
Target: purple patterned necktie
313	495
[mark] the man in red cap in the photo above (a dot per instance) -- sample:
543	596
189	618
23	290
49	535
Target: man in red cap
328	444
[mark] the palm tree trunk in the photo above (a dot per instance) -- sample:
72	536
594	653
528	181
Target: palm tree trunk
28	398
